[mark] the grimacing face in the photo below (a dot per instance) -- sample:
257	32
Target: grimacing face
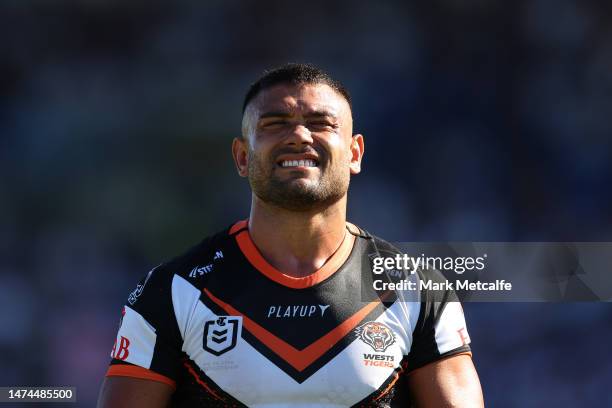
297	149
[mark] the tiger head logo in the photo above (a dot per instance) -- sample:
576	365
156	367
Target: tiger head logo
377	335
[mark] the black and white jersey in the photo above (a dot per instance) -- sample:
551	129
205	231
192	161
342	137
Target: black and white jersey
225	328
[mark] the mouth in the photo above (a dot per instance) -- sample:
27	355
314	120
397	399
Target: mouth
298	163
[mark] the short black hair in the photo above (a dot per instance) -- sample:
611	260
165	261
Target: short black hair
296	74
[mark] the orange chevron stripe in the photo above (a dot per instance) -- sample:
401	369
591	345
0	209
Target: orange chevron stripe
298	359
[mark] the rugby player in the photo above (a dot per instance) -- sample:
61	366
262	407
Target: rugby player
279	309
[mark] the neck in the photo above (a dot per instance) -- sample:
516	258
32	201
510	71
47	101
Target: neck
297	243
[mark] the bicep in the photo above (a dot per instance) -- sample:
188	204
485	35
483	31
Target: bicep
120	392
146	353
450	382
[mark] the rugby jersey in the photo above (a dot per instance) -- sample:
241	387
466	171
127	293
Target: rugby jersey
225	328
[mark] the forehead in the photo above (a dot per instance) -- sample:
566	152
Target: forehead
300	98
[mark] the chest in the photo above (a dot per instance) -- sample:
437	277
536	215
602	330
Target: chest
306	349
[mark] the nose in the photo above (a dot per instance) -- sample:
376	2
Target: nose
299	135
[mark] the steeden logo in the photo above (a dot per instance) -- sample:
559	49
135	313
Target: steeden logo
203	270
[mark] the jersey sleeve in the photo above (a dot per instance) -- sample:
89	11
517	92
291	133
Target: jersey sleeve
148	343
440	331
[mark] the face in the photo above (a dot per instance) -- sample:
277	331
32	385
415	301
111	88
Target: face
298	150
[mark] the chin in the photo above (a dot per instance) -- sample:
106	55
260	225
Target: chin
297	182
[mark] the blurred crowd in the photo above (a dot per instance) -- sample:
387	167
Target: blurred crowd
483	121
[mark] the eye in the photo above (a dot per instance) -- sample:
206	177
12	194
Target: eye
322	125
274	124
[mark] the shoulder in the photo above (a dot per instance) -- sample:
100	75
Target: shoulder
393	263
191	265
373	243
197	260
385	248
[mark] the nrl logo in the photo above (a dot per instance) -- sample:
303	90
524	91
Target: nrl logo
375	334
221	335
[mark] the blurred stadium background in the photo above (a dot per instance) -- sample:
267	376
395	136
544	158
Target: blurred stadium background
484	121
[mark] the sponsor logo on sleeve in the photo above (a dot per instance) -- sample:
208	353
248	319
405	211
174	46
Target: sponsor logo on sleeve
138	291
122	352
221	334
465	338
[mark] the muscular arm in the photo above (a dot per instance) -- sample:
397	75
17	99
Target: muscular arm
126	392
451	382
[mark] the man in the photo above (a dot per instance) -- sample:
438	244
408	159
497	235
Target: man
279	309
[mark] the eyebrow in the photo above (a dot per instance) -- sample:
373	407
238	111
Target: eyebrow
285	114
274	115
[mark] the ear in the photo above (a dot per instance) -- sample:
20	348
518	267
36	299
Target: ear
357	149
241	156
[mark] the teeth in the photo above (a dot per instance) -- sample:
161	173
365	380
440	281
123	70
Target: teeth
300	163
